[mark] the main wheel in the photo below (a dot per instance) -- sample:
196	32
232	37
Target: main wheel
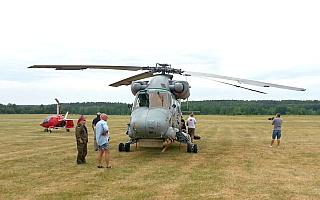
189	147
121	147
127	147
68	130
195	148
45	130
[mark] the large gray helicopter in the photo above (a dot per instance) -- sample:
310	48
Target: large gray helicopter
156	111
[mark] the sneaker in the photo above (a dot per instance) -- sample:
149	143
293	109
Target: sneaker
109	167
100	166
270	146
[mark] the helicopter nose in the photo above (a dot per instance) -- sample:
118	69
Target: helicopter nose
148	123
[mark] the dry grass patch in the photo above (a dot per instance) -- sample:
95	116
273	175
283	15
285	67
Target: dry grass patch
234	162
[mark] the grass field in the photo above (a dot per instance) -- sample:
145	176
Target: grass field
233	162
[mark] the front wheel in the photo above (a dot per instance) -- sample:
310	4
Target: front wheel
127	147
121	147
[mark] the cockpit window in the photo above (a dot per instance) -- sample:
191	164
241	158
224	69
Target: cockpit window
159	100
142	100
152	99
46	120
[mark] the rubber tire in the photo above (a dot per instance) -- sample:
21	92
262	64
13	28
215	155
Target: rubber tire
189	148
127	147
68	130
195	148
121	147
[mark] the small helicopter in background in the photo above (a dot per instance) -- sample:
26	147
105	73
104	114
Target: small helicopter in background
57	121
156	111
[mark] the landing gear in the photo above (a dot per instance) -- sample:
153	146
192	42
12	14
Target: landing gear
68	130
195	148
184	138
192	148
127	147
121	147
47	130
189	147
124	147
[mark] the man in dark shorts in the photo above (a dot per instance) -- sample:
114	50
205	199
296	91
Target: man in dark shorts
191	121
277	123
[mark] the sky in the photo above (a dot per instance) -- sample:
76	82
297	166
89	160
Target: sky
274	41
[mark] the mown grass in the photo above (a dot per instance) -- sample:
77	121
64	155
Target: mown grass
234	162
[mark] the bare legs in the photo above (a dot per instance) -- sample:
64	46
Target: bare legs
272	141
106	153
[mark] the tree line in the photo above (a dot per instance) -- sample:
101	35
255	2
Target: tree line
209	107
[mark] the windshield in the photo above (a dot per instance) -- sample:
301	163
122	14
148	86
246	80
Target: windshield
46	120
142	100
152	100
159	100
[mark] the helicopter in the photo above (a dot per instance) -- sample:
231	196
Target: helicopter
57	121
156	111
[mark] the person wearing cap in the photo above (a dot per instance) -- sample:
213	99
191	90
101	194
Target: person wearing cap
191	121
82	140
94	123
102	135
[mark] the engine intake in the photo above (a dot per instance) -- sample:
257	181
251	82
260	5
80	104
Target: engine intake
180	89
137	86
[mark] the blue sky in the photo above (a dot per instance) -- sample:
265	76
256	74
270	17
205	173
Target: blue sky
270	41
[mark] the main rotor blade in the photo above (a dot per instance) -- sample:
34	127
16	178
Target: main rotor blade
238	86
244	81
129	80
82	67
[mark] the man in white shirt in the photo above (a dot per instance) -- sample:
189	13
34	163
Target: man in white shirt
191	121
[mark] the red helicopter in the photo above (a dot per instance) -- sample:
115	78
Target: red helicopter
57	121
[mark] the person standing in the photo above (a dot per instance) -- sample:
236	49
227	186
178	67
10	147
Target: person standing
102	136
277	123
183	124
191	121
94	123
82	140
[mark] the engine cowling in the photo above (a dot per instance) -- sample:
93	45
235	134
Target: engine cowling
137	86
180	89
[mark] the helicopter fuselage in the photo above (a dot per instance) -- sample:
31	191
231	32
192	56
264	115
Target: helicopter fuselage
156	112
